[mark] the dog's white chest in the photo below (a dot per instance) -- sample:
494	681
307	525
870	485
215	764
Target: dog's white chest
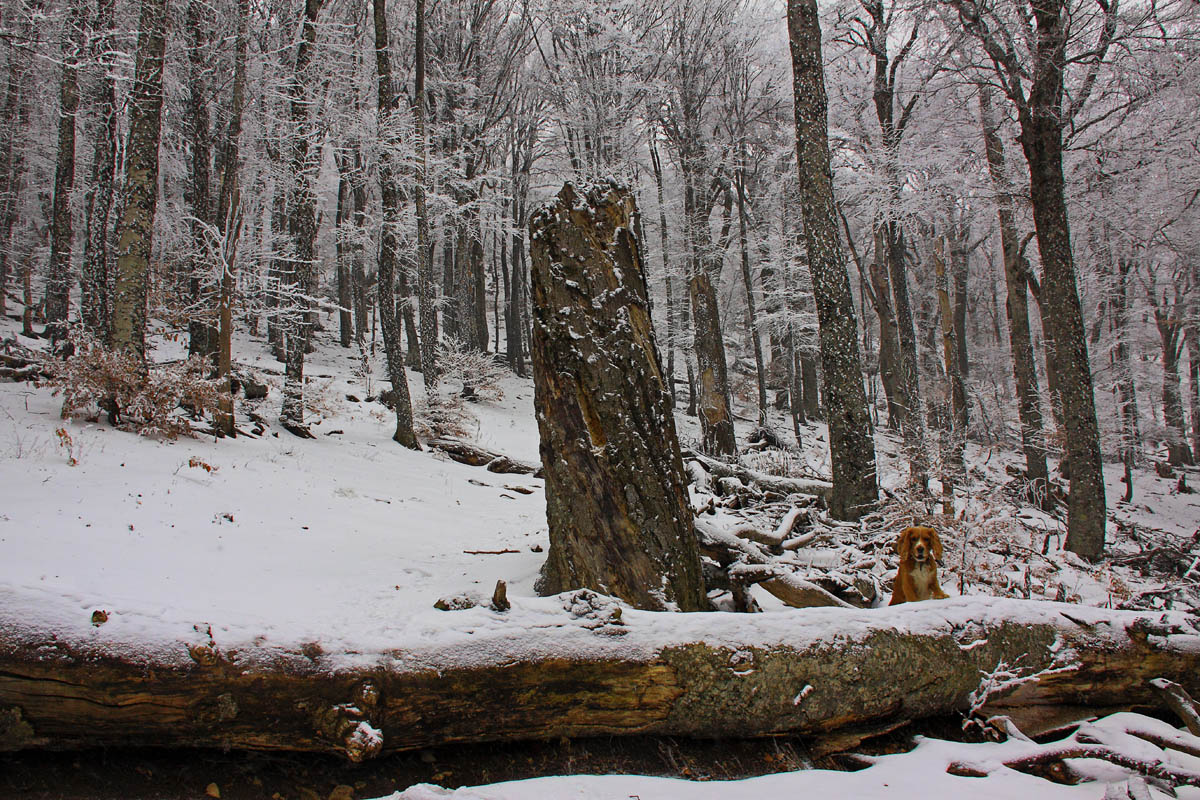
923	577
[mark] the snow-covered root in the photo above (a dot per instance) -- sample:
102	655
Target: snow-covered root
1139	746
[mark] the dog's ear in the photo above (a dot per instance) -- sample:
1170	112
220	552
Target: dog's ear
937	544
904	543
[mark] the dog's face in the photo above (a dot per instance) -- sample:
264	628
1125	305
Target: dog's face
920	543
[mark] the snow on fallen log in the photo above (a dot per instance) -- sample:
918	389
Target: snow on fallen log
475	456
576	664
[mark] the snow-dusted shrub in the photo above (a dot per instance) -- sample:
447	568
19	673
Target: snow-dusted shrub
465	375
95	378
479	374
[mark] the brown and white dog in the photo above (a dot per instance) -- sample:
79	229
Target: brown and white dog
919	547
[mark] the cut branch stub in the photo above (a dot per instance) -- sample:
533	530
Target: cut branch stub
616	498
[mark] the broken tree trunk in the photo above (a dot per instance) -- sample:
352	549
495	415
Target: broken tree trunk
576	666
616	495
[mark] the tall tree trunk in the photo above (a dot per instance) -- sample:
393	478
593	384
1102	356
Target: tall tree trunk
616	497
1170	331
514	314
1126	388
1042	140
425	284
851	446
1017	308
889	333
668	283
1193	345
358	270
345	204
135	229
953	471
389	244
229	222
296	319
751	312
202	330
959	274
60	275
12	120
713	395
95	302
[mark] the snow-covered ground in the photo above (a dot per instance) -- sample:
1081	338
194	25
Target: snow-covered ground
348	539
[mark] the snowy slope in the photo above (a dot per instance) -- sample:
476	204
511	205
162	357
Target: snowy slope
347	540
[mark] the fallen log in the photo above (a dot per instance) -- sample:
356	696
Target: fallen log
475	456
581	665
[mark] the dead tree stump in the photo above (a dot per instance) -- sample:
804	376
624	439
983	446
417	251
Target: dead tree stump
616	497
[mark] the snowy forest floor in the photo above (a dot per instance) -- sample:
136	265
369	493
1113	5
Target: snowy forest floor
345	542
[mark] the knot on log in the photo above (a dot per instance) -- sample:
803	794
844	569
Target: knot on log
205	655
347	726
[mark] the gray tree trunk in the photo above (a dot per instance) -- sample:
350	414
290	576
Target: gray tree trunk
95	302
616	494
60	275
1042	140
295	317
426	299
851	446
388	246
229	222
202	325
1017	307
135	229
751	311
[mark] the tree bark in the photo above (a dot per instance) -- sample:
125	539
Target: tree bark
851	447
616	497
389	244
836	675
135	229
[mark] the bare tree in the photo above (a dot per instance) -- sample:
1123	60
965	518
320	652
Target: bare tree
388	246
1034	82
851	448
